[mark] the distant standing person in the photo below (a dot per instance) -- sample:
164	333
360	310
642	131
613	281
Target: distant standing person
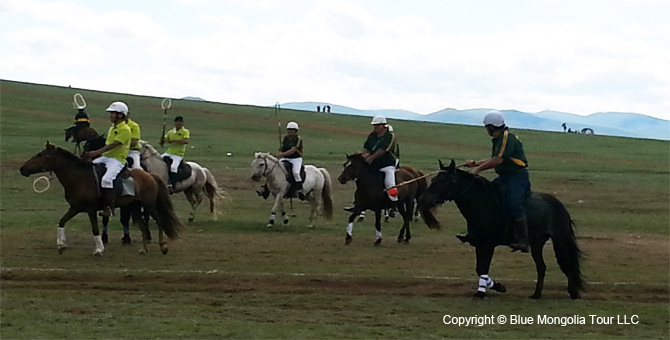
177	138
318	108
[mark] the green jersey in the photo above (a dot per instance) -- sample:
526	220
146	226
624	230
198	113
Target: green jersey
510	149
173	135
290	142
118	133
134	133
385	142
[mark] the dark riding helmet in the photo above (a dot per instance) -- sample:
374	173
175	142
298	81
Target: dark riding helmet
179	119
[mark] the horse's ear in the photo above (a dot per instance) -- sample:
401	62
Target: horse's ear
442	167
452	166
48	145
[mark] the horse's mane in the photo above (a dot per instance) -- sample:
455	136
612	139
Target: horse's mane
265	155
69	156
481	180
358	156
148	146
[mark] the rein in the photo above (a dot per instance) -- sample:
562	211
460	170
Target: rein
266	171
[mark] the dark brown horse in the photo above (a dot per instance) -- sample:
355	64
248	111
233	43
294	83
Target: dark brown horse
479	201
81	134
370	195
82	193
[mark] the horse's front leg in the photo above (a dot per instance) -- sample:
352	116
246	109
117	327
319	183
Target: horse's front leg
484	256
279	204
99	246
350	227
60	235
378	226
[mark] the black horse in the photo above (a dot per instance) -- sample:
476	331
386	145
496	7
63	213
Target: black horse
370	195
480	202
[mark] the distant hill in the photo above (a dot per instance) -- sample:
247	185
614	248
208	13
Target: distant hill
194	98
602	123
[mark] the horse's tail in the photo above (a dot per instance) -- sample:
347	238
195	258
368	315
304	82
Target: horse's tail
212	191
568	254
429	219
326	195
167	219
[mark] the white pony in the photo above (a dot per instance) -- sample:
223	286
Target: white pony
316	186
201	179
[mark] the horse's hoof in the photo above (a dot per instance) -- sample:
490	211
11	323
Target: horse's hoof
479	296
499	287
104	238
348	239
191	218
534	296
575	295
269	225
400	239
142	252
310	226
97	252
405	241
62	249
164	250
125	240
378	242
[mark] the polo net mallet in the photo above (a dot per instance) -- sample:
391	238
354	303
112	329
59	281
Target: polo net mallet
277	108
79	102
166	103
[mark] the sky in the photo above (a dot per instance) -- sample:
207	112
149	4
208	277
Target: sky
581	57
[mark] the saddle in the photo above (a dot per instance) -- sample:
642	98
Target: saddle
183	171
124	185
294	186
289	169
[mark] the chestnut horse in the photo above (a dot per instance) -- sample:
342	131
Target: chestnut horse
82	193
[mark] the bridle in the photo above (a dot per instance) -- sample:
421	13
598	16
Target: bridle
465	189
267	171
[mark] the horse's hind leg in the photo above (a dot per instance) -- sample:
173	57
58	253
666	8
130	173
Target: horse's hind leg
139	221
314	205
536	248
194	199
406	213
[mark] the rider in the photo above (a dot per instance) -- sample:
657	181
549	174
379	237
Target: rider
380	151
134	151
509	161
113	154
177	138
291	151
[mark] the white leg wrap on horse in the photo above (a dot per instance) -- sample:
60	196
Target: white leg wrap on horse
484	282
60	239
99	247
350	228
379	234
272	218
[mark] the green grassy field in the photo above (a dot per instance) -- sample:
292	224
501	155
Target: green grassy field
235	278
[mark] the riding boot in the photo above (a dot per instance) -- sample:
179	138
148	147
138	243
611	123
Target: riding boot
171	182
298	189
108	196
520	235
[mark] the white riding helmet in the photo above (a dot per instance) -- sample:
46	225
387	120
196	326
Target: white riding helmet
494	118
292	125
378	120
120	107
390	128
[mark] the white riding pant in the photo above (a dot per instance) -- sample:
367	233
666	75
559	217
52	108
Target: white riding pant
389	176
297	164
176	160
113	168
135	155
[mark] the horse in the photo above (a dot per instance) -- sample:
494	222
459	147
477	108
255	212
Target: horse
200	182
480	202
81	134
83	194
316	187
422	184
370	195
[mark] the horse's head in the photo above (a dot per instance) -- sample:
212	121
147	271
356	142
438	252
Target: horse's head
259	166
353	168
445	186
146	149
43	161
69	132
